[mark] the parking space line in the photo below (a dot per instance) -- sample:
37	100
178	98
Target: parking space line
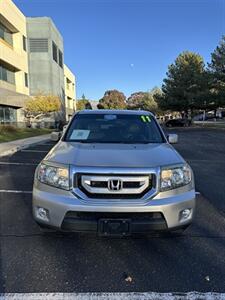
113	296
15	191
17	163
41	151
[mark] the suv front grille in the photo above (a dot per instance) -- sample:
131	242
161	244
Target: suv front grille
115	186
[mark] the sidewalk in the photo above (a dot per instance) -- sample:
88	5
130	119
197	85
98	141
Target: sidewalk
9	148
210	124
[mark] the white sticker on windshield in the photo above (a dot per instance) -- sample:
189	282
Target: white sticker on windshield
80	134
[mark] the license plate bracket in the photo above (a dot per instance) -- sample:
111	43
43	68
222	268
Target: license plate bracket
114	227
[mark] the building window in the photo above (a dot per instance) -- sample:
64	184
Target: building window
60	59
7	114
26	79
3	74
6	35
54	52
7	75
63	94
24	43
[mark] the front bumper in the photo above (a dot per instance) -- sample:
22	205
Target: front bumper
65	210
103	223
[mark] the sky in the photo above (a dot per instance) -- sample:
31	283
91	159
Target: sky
128	44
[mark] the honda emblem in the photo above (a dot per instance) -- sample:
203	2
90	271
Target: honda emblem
115	184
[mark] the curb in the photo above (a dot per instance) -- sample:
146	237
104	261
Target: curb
207	127
18	148
114	296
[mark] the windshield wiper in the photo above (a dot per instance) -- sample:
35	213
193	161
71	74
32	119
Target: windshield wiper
113	142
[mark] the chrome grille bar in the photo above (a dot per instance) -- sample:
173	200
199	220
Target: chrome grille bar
109	184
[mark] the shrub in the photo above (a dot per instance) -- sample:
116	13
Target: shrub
7	129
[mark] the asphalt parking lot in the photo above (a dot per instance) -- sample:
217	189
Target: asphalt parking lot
195	261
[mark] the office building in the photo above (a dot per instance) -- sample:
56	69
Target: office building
14	82
70	92
31	63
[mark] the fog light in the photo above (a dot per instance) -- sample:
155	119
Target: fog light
185	214
42	213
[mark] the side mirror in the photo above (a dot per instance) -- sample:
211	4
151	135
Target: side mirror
64	128
55	136
172	138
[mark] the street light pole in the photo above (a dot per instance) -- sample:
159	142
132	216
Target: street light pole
204	114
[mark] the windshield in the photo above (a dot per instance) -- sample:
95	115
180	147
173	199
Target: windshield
114	128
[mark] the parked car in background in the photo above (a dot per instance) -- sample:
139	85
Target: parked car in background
178	123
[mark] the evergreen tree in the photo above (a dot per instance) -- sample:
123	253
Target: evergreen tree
216	73
186	84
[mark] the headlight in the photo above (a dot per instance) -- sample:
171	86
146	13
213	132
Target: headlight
55	176
172	178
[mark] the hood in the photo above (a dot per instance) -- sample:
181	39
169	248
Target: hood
114	155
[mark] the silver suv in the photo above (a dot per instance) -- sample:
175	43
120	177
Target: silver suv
114	172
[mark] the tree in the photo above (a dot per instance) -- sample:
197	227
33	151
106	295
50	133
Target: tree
41	104
135	100
142	100
155	92
112	99
83	104
186	84
217	64
216	73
